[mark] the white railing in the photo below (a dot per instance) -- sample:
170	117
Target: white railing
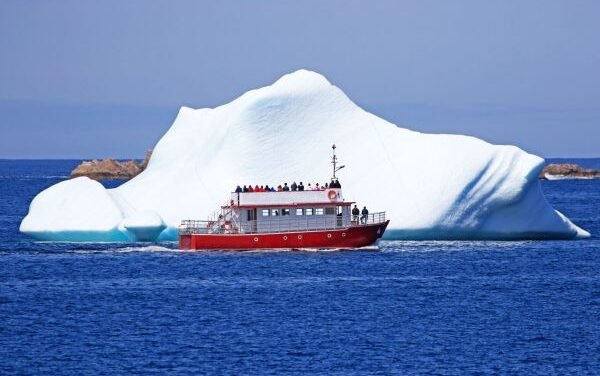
287	197
281	224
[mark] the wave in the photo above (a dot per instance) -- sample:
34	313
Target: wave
132	249
34	176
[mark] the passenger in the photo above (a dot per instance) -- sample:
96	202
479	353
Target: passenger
309	188
364	216
355	213
272	189
256	188
238	189
250	189
301	187
317	187
285	187
326	186
279	188
337	184
245	189
261	188
294	186
267	189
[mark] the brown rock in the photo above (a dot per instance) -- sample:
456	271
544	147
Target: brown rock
110	169
144	163
568	171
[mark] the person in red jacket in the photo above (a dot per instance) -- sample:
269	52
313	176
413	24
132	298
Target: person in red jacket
250	189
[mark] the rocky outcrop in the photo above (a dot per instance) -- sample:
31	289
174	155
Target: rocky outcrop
556	171
143	164
111	169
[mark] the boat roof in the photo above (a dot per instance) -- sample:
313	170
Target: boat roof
328	197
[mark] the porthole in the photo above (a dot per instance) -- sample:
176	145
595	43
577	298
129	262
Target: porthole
300	237
343	234
329	236
255	239
285	237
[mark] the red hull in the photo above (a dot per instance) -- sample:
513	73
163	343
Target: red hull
351	237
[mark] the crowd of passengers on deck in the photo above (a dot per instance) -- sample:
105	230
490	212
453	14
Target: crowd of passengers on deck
285	188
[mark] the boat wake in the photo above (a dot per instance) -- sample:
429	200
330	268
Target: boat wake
130	249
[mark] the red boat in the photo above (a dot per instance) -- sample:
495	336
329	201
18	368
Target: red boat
318	219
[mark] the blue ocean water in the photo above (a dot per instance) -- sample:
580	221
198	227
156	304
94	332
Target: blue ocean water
526	307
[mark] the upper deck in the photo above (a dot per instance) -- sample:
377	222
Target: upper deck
328	197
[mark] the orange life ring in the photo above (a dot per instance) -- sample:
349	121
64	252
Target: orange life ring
332	195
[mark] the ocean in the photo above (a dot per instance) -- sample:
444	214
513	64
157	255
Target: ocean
443	308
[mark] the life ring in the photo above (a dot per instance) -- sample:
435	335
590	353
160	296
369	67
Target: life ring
332	195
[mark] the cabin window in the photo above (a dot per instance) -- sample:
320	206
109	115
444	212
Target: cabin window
308	211
299	211
319	211
265	212
275	212
330	211
285	211
340	210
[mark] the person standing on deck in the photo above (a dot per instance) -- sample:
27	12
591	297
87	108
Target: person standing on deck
355	213
364	216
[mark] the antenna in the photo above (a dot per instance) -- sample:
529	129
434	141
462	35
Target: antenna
334	162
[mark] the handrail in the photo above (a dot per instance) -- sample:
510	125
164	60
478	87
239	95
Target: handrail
281	224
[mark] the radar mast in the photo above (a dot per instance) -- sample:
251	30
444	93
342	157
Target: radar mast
334	161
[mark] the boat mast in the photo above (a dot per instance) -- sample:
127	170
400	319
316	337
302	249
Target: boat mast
334	162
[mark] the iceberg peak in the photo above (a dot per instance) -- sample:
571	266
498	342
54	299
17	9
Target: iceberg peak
302	79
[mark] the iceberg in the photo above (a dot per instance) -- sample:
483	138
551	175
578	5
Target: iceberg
433	186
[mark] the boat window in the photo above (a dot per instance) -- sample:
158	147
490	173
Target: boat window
299	211
285	211
265	212
330	211
275	212
308	211
319	211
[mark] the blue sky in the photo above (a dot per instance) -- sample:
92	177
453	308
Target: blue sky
82	79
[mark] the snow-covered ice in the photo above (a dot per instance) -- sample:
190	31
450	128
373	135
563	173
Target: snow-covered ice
433	186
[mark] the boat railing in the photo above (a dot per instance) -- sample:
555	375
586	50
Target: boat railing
281	224
370	219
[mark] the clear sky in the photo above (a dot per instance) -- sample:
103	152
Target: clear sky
82	79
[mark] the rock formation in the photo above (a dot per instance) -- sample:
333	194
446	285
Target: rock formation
110	169
556	171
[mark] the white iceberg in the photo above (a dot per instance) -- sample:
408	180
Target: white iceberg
432	186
